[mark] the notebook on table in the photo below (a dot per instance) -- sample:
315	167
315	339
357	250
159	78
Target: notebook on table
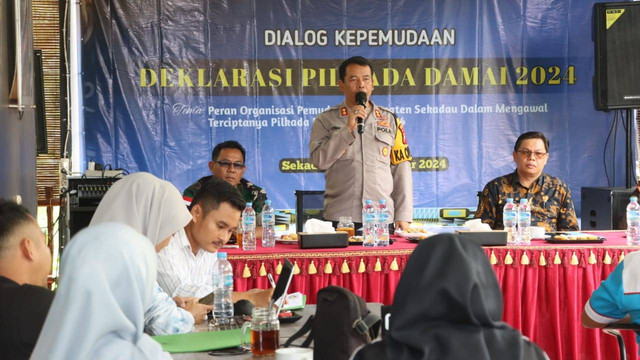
201	341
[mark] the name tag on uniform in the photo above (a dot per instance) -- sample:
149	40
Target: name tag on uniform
384	129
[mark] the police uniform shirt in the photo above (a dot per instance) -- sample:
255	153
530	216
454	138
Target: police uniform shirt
359	167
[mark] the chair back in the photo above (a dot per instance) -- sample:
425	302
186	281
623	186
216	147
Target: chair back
614	330
309	204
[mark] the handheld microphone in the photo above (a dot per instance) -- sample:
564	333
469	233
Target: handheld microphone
361	99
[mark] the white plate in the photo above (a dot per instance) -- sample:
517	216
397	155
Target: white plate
543	238
282	241
413	234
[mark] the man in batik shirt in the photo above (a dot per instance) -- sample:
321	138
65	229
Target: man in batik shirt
549	197
228	163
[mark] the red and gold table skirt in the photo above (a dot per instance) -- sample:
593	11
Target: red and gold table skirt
544	285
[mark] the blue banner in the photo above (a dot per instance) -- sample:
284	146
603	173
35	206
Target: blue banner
166	81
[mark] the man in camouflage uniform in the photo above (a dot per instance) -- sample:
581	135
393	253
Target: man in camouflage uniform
228	163
375	165
549	197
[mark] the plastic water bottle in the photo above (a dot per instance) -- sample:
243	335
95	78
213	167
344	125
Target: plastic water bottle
368	224
222	290
633	222
383	216
248	228
524	223
510	220
268	225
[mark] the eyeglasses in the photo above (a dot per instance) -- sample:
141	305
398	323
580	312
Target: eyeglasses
527	154
227	164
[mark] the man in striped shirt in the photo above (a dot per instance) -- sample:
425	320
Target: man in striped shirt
185	266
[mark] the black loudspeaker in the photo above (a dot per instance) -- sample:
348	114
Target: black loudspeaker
604	208
617	43
38	98
79	218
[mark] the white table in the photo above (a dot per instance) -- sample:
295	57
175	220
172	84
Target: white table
286	330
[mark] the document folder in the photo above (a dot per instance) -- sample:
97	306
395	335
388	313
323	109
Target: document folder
201	341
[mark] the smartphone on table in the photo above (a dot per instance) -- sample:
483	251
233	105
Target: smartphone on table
207	300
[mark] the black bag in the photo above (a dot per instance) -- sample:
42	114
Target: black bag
341	324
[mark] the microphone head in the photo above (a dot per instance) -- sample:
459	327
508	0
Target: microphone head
361	98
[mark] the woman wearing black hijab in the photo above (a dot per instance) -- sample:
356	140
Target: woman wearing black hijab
448	305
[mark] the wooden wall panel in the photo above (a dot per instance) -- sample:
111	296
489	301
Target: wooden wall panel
46	36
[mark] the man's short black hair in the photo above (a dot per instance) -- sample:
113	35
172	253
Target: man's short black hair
12	216
215	192
359	60
532	135
229	144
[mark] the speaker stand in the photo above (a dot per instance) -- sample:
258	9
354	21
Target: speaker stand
629	151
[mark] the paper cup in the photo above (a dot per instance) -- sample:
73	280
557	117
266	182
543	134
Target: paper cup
294	353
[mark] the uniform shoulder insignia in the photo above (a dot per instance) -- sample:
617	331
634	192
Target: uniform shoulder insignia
384	108
331	110
383	114
334	107
386	112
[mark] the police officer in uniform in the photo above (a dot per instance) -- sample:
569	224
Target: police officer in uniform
375	165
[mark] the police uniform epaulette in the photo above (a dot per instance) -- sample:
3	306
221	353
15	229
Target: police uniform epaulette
393	115
335	107
386	109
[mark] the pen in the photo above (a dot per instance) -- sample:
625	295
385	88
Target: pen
273	283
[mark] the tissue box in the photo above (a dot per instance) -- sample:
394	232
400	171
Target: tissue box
323	240
484	238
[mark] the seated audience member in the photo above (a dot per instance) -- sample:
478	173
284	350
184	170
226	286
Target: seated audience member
549	197
25	262
185	266
228	163
154	208
107	276
617	299
448	305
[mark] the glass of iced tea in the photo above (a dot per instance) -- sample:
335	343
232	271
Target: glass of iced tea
346	225
265	332
239	236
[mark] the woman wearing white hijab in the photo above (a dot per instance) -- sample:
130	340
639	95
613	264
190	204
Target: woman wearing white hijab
155	209
106	281
152	206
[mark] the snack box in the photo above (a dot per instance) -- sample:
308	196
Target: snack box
323	240
484	238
